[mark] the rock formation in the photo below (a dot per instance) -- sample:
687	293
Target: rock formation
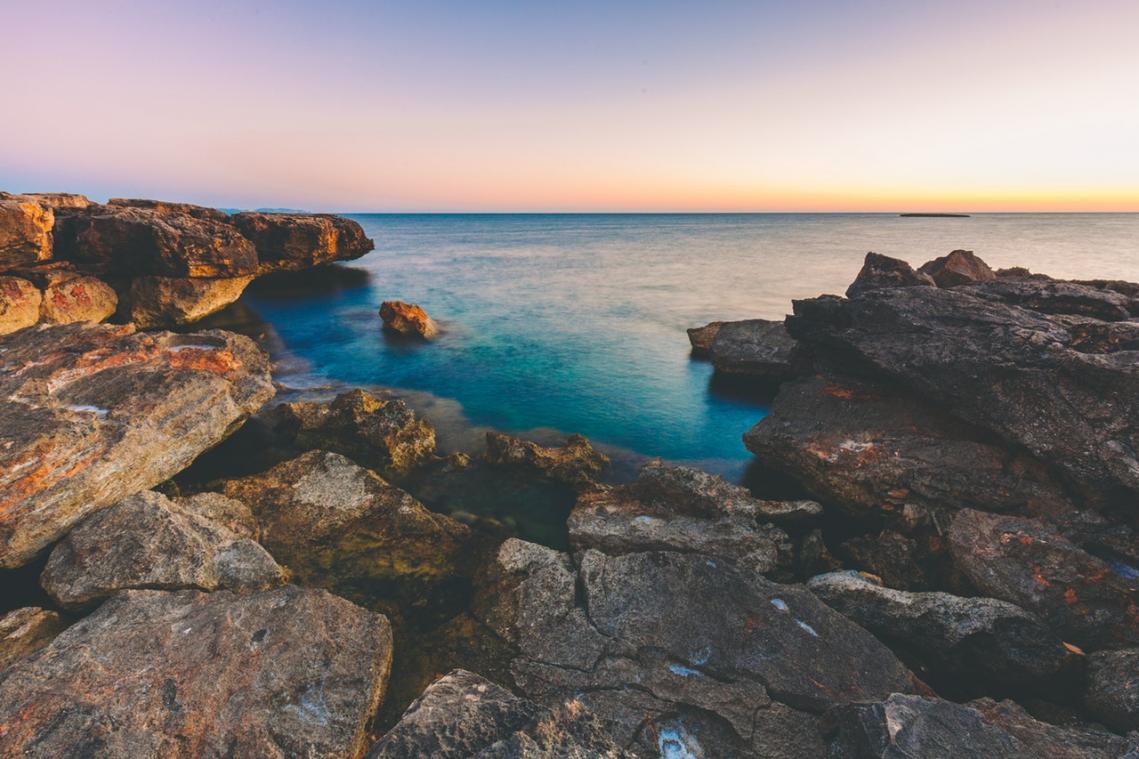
407	319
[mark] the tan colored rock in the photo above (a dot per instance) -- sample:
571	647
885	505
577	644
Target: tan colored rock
168	207
70	298
25	631
25	232
90	414
291	242
228	512
701	338
169	301
19	304
407	319
576	463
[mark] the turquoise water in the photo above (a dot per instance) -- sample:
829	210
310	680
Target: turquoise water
576	322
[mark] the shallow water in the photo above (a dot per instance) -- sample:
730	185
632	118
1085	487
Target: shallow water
576	322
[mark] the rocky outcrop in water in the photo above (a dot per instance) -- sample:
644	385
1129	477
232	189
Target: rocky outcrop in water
755	348
576	463
292	242
407	319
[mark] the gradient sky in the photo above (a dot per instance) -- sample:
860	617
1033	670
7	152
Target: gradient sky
490	105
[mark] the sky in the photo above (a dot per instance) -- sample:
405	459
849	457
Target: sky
431	105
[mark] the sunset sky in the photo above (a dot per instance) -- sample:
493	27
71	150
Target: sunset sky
579	106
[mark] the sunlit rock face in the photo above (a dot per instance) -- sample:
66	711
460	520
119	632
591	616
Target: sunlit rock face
407	319
25	231
291	242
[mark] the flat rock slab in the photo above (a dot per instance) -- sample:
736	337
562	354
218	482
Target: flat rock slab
281	673
755	348
94	413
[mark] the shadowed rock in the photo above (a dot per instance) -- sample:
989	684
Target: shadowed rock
94	413
148	541
960	267
20	302
25	631
161	301
290	242
1028	563
1112	690
25	232
281	673
882	272
407	319
701	338
912	726
463	716
576	463
981	640
755	348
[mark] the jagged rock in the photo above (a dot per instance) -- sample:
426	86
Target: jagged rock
1066	388
407	319
576	463
982	640
755	348
681	648
701	338
382	433
169	208
1112	690
1050	296
1028	563
25	631
930	728
869	450
281	673
25	232
463	716
291	242
148	541
228	512
338	525
882	272
20	302
167	301
130	242
960	267
94	413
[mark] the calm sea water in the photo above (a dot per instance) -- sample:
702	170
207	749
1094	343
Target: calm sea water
576	322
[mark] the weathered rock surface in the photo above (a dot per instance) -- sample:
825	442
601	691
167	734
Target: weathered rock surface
981	640
147	541
896	559
1028	563
336	524
879	272
94	413
912	726
69	296
1066	388
1051	296
290	242
576	463
166	207
701	338
20	302
162	301
281	673
1112	690
755	348
25	232
463	716
381	433
696	650
868	450
228	512
53	200
25	631
960	267
407	319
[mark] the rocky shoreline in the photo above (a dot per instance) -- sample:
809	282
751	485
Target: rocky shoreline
954	573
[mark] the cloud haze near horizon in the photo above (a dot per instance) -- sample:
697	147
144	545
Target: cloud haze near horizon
508	106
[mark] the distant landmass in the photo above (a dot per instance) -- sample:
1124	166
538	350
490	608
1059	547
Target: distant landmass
938	215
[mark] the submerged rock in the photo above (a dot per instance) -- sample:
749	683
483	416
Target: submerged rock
94	413
981	641
755	348
882	272
162	301
407	319
25	631
291	242
280	673
1112	690
701	338
462	715
20	302
960	267
905	726
148	541
576	463
25	232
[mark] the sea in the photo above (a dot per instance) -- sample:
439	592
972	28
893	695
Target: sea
575	323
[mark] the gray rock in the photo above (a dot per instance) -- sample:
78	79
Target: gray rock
1051	296
148	541
1112	690
25	231
228	512
882	272
755	348
25	631
280	673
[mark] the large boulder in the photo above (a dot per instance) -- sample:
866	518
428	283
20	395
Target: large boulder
755	348
25	232
1065	388
576	463
682	649
20	302
462	716
280	673
148	541
338	525
94	413
1028	563
165	301
69	296
882	272
1111	693
960	267
291	242
25	631
381	433
980	641
912	726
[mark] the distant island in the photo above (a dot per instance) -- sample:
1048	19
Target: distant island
936	215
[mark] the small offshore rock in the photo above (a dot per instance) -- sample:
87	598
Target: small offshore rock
576	463
20	303
407	319
25	631
279	673
1112	690
881	272
148	541
701	338
960	267
25	232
